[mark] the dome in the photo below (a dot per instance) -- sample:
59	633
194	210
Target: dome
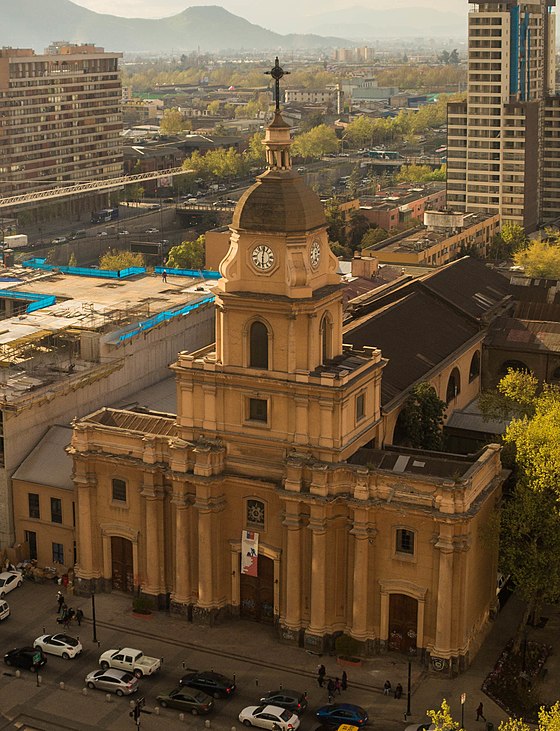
279	202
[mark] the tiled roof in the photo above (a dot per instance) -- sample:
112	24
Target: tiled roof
524	335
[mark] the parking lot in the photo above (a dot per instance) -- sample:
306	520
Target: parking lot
255	671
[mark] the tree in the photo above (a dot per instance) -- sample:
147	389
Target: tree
549	720
319	141
442	718
513	236
359	224
420	421
187	255
335	221
421	173
373	236
116	259
72	261
540	259
172	122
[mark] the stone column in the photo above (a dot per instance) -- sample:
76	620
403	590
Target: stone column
442	645
292	523
89	569
181	596
361	571
318	621
154	558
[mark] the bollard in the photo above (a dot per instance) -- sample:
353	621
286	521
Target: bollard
61	685
233	728
181	717
39	679
84	691
207	723
257	682
108	697
156	710
132	704
18	673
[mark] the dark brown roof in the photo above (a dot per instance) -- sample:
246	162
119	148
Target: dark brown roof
279	201
469	285
415	333
144	423
524	335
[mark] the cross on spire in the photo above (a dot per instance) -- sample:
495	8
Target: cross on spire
277	72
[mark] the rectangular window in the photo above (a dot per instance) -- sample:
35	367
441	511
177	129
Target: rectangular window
57	553
119	490
34	511
31	540
56	510
258	409
405	541
360	406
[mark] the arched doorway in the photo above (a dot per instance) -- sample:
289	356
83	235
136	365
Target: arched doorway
122	565
403	623
256	593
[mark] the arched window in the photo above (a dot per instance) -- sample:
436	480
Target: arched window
514	365
453	385
474	370
326	339
258	345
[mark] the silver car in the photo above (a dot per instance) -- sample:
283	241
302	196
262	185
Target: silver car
112	680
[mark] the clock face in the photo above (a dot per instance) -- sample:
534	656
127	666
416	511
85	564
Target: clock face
263	256
315	254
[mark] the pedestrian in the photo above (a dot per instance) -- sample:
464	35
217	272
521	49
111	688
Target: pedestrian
480	712
164	276
398	691
344	681
330	690
321	672
387	687
60	600
79	617
337	686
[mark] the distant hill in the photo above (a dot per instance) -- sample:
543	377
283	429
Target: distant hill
36	23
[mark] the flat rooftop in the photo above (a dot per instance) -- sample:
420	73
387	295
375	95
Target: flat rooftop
399	196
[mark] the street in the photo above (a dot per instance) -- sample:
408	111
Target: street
33	610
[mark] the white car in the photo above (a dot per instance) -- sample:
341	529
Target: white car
8	581
131	660
62	645
102	233
270	717
152	230
4	610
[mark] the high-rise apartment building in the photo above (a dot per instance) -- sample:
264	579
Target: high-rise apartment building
60	116
501	141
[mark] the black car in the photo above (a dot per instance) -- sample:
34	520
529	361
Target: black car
214	684
293	700
29	658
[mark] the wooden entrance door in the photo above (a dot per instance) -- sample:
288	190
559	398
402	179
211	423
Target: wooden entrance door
122	575
403	623
257	592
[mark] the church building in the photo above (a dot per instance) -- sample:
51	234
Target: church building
268	495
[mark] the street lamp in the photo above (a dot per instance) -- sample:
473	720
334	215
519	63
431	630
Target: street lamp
408	689
93	616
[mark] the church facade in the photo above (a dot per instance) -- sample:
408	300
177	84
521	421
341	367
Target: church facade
268	495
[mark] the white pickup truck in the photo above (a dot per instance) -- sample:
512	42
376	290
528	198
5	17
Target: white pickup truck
129	659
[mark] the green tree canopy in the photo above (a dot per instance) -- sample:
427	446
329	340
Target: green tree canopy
421	419
319	141
172	122
116	259
421	173
540	259
373	236
187	255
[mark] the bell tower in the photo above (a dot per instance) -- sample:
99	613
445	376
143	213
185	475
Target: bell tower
278	358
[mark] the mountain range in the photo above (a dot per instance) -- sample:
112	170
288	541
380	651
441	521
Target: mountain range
37	23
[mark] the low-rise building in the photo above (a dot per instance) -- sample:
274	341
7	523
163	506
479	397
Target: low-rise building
393	206
434	245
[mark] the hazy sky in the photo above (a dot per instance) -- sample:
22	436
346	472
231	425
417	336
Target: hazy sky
256	12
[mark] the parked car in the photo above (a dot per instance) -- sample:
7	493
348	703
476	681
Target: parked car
4	610
59	644
102	233
335	714
293	700
59	240
152	230
113	681
215	684
124	233
187	699
271	717
130	660
9	580
29	658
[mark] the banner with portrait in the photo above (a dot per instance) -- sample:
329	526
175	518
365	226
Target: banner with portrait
249	553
